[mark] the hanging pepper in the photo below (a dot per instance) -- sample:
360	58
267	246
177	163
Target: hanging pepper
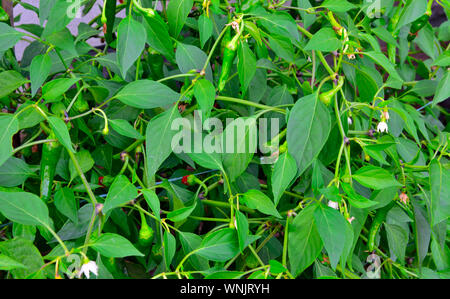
4	17
145	233
190	180
50	156
327	96
376	224
416	26
108	19
228	58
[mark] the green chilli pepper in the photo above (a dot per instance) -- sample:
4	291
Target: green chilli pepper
416	26
108	19
228	57
145	233
4	17
327	96
376	224
50	156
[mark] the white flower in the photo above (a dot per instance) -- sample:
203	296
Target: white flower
382	127
350	121
385	114
350	219
90	266
333	204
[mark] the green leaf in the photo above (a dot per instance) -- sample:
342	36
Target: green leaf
181	214
177	13
307	132
332	227
14	172
375	177
158	139
220	245
357	200
255	199
158	36
39	71
120	192
443	89
242	229
284	172
238	145
324	40
24	252
190	242
113	245
124	128
338	5
24	208
147	94
153	201
8	37
397	239
61	132
86	163
205	93
10	126
440	192
190	57
10	81
169	244
246	65
53	90
282	46
8	264
66	203
380	59
412	11
304	243
131	43
205	28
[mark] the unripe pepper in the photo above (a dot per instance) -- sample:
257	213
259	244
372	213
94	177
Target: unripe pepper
417	26
228	58
145	233
376	224
327	96
50	157
190	180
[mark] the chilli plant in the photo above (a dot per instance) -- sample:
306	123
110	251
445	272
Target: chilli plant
114	141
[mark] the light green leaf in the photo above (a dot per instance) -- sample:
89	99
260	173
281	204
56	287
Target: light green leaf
375	177
66	203
338	5
255	199
443	89
8	37
177	12
24	208
54	89
246	65
324	40
147	94
113	245
10	126
14	172
10	81
120	192
59	127
220	245
39	71
124	128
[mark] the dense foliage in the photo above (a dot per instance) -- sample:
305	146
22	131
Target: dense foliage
353	184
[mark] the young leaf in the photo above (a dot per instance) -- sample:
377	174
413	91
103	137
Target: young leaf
113	245
242	229
10	81
177	12
205	93
62	133
205	28
10	126
304	243
255	199
332	228
131	43
8	37
39	71
246	65
375	177
308	128
324	40
66	203
147	94
53	90
284	172
169	244
124	128
220	245
121	192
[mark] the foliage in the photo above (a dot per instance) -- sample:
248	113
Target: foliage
354	184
